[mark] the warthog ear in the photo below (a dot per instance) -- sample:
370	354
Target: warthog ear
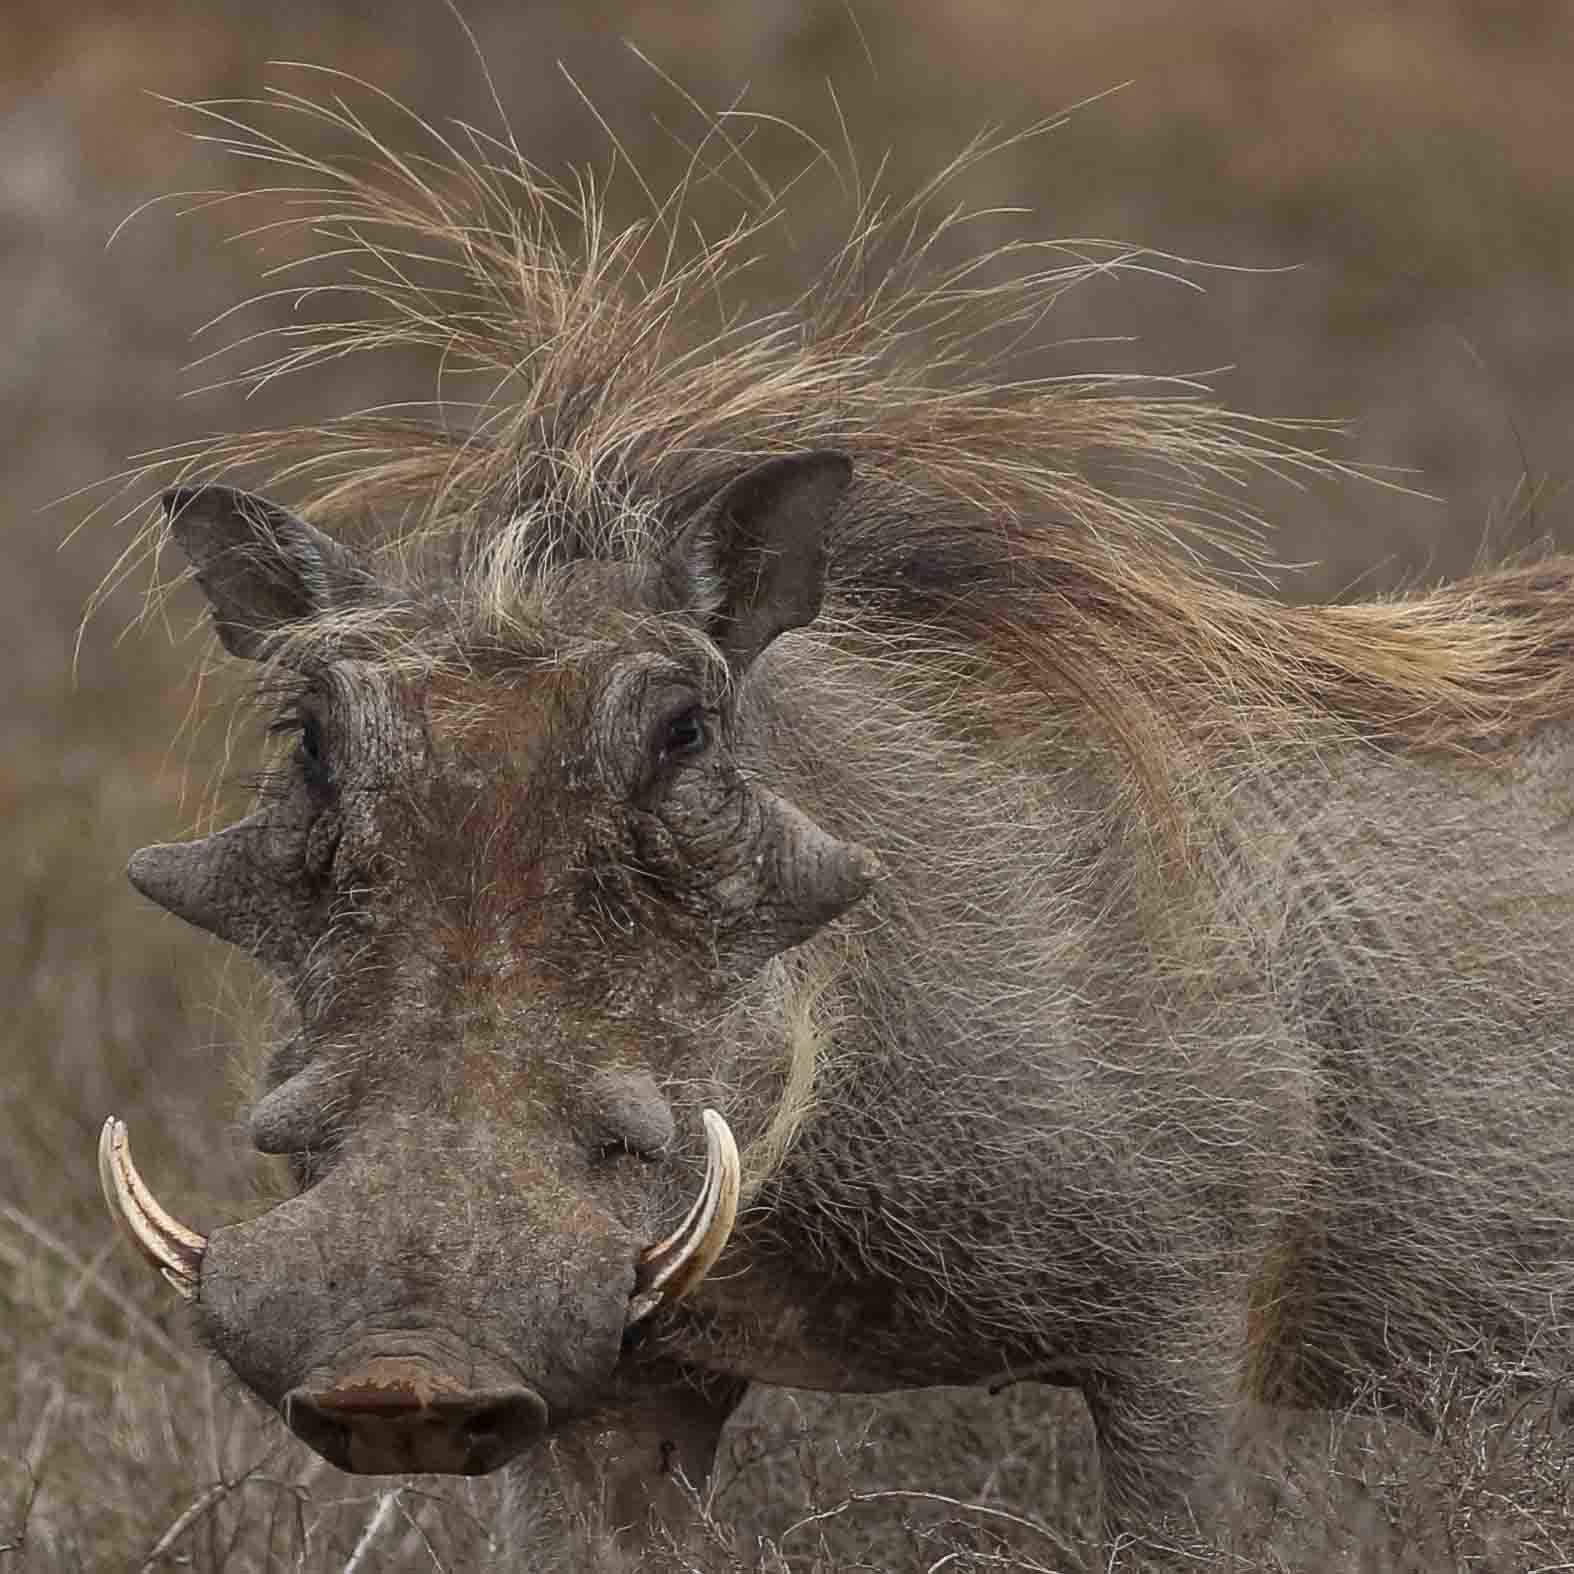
751	564
261	568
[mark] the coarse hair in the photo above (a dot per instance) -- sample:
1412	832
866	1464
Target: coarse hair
622	390
1039	571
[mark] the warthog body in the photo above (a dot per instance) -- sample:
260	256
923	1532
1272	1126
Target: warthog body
1109	976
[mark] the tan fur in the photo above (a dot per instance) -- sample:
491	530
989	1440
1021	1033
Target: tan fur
1206	948
618	390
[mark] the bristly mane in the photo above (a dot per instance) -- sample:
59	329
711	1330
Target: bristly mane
618	392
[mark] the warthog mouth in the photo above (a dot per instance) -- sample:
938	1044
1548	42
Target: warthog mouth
666	1272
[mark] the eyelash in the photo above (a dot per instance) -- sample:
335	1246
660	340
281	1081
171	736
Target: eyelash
309	752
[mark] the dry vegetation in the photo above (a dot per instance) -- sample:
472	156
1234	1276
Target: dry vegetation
1409	160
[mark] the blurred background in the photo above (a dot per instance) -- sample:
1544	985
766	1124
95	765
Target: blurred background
1382	198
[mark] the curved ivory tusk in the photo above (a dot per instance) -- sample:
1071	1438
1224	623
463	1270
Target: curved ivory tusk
671	1268
166	1243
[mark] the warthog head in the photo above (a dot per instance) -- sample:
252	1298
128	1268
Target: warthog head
514	877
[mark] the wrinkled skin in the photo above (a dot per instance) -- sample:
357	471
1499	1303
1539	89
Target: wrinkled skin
540	895
508	895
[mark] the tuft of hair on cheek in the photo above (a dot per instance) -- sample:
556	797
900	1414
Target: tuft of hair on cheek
258	1021
783	1032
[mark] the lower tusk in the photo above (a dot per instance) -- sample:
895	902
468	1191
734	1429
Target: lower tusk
671	1268
166	1243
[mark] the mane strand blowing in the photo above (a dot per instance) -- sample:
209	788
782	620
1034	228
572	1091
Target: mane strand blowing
1111	974
621	388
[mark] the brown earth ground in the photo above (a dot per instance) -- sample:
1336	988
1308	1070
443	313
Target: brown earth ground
1398	174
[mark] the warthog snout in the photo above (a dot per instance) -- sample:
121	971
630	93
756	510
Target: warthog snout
390	1417
389	1357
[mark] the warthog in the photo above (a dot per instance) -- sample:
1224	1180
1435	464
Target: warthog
784	877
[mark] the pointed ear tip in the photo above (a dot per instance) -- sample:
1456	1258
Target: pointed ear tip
206	495
190	517
205	503
829	473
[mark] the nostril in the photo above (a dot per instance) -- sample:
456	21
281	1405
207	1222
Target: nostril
383	1428
313	1425
494	1433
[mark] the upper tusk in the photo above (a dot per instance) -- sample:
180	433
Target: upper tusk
671	1268
166	1243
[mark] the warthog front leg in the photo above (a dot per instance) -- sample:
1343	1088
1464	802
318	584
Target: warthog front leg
603	1488
1163	1437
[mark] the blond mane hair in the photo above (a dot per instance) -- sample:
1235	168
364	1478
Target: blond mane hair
622	387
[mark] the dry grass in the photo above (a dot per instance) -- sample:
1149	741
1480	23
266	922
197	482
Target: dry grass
185	1475
1412	160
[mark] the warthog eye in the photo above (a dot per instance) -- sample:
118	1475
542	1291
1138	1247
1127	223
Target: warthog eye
684	733
311	752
